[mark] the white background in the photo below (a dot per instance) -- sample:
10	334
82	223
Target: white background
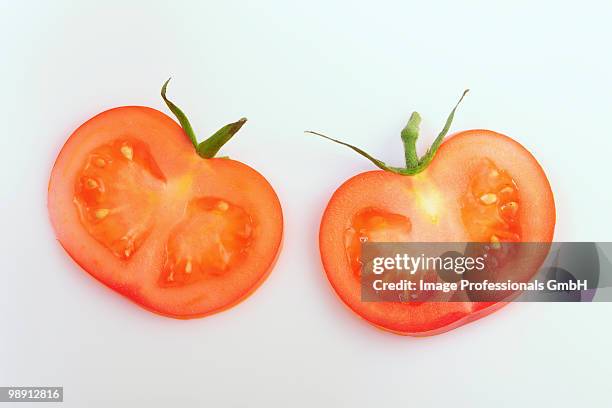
539	72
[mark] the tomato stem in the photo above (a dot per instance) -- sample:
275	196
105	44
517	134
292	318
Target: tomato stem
410	134
182	118
208	148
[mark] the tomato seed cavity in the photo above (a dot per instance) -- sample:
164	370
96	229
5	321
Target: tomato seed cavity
374	225
116	195
489	208
213	237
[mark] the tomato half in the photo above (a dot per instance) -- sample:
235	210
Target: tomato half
138	209
481	186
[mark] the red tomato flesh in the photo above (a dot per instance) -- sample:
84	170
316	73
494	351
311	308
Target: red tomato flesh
481	187
138	209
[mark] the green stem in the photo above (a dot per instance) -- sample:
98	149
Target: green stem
211	146
182	118
410	134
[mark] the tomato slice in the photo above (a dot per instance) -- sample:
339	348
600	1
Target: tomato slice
481	186
138	209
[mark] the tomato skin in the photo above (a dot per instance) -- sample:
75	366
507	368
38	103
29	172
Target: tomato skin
432	202
186	177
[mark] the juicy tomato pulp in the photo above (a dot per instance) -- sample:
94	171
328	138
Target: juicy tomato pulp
138	209
481	187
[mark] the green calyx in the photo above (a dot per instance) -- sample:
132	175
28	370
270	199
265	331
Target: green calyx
410	134
208	148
